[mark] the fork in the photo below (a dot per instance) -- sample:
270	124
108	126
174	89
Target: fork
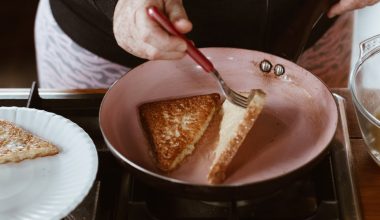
200	58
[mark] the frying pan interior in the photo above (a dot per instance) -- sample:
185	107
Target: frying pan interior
297	123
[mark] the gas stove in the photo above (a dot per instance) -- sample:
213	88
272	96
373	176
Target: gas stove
326	192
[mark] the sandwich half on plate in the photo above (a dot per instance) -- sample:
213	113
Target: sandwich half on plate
17	144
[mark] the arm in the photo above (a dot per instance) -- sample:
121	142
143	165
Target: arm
348	5
139	35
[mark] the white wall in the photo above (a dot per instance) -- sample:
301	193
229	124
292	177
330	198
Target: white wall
366	24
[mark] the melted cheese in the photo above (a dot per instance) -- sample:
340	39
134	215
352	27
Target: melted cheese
233	116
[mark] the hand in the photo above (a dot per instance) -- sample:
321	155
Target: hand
139	35
349	5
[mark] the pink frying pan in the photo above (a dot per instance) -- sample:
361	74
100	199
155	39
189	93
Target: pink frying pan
292	133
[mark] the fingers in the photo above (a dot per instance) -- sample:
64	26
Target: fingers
153	34
341	7
139	35
348	5
177	15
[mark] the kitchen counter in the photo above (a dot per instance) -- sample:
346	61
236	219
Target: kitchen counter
367	172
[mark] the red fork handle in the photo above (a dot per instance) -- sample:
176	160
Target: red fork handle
192	51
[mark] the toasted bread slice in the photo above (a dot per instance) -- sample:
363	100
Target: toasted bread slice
175	126
17	144
235	125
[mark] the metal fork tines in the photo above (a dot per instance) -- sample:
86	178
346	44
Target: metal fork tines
230	94
199	58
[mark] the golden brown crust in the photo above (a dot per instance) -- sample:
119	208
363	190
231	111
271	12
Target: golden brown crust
174	126
217	173
17	144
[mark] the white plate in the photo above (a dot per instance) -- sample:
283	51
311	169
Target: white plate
49	187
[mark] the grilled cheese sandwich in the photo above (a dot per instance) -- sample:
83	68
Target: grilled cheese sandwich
175	126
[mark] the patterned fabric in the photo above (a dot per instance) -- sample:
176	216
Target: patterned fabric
330	57
63	64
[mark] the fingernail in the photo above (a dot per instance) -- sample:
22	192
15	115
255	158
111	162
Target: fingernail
331	15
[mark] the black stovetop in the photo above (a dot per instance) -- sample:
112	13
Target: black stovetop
326	192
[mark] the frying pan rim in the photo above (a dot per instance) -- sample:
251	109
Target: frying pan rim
223	185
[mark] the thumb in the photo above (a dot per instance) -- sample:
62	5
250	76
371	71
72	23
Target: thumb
177	15
345	5
336	9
